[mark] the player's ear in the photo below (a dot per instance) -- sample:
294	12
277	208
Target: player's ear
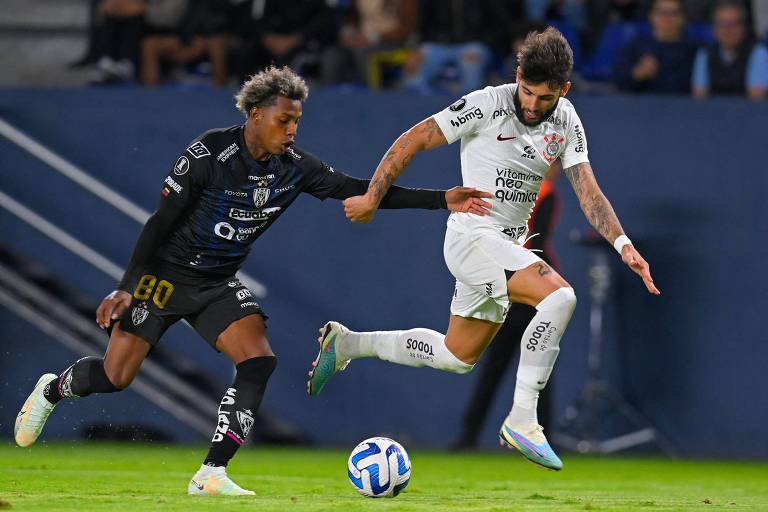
565	89
255	114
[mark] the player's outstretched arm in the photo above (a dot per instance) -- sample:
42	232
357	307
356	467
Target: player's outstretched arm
423	136
601	216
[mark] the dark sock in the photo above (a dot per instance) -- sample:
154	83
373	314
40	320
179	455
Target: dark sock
84	377
238	407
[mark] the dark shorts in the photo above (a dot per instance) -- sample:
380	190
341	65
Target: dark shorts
209	304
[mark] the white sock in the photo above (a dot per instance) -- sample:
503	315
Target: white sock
414	347
539	348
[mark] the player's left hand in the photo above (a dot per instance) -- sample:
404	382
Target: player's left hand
468	200
359	209
639	266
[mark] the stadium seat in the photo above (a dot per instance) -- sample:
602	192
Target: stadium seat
571	33
615	35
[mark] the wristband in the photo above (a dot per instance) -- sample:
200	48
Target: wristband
620	242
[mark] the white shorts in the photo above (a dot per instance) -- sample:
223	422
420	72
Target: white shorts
478	259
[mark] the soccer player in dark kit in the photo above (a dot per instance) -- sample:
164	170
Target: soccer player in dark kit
224	190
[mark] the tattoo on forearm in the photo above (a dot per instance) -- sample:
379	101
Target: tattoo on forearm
431	130
544	269
594	204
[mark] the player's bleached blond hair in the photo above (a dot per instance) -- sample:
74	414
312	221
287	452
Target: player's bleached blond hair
264	87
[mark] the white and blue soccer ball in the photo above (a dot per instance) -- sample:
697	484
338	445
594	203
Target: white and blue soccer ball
379	468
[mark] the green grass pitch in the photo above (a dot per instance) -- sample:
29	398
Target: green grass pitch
137	477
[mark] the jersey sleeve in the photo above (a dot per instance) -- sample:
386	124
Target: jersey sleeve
181	188
468	115
321	180
575	151
189	175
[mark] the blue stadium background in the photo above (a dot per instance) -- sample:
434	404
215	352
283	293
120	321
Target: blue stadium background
686	178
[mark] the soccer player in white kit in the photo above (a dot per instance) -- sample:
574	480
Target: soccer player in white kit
510	136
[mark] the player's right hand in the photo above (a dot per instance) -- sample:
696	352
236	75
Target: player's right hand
112	307
360	208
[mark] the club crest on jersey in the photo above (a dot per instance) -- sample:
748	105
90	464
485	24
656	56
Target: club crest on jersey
138	315
260	196
553	145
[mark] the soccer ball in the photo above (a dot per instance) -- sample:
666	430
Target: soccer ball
379	468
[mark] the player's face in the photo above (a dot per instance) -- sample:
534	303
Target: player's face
275	126
535	102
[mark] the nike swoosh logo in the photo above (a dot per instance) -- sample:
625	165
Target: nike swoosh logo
501	139
21	413
535	449
198	485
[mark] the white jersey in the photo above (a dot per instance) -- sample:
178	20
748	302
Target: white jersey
501	155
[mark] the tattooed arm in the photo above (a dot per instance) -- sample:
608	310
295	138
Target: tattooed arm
594	204
421	137
600	214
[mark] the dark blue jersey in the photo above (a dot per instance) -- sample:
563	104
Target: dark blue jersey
217	200
232	198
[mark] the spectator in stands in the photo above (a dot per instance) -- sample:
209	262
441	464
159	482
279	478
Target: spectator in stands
118	33
282	32
734	63
370	26
661	62
204	33
464	34
573	11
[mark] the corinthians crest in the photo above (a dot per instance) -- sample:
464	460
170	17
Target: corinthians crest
260	196
139	314
552	149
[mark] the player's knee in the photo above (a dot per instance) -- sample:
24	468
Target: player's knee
454	364
463	368
256	369
563	299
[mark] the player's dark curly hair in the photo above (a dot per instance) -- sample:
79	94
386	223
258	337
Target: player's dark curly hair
546	57
264	87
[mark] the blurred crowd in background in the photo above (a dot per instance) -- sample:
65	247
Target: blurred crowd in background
699	47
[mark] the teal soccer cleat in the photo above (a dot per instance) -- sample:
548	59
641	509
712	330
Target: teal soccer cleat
327	363
532	444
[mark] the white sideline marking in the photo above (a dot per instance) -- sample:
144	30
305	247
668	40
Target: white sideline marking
97	188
